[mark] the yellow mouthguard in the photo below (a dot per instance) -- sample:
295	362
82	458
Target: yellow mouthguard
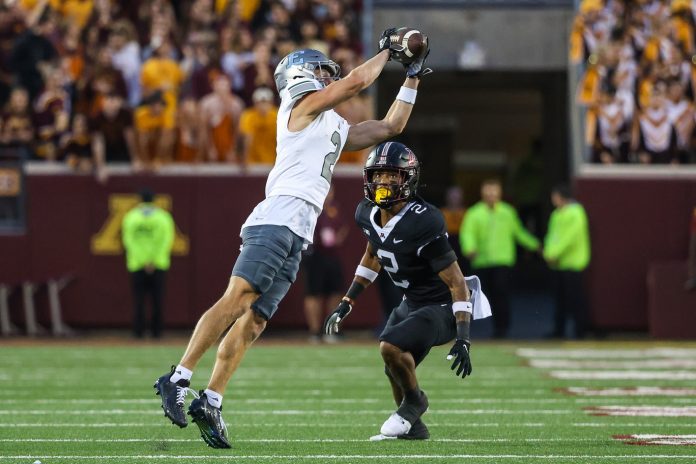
382	193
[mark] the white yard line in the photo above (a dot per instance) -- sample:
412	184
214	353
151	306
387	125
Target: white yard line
623	375
585	353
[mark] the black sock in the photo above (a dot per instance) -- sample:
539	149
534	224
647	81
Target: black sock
412	396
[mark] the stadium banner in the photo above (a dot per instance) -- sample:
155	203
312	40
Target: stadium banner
73	229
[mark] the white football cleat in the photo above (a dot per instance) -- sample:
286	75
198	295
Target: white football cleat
381	437
395	426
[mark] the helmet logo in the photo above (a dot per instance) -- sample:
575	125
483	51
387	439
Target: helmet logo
382	159
411	158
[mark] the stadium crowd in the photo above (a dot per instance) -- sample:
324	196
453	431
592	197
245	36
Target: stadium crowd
89	82
639	81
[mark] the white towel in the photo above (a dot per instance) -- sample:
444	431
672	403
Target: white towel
482	308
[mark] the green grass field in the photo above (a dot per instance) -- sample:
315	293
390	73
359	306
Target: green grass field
309	404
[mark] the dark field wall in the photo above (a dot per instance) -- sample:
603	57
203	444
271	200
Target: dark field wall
640	236
73	228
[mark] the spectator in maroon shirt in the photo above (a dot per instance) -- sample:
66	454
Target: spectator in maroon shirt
113	135
76	146
259	73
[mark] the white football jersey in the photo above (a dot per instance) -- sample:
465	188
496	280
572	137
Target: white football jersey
305	160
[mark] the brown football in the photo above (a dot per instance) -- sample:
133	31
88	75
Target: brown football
415	44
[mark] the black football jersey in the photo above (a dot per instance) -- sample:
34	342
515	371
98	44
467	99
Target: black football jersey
412	247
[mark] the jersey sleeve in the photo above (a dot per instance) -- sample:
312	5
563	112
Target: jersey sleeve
433	243
361	214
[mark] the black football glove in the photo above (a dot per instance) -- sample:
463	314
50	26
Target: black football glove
385	42
417	68
460	354
332	322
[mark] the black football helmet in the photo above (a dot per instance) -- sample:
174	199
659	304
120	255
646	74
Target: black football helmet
391	156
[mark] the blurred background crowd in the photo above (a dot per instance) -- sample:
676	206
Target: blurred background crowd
639	79
88	82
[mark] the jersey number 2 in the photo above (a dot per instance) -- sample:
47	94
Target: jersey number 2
392	268
330	158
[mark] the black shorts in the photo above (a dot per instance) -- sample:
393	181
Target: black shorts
416	329
323	275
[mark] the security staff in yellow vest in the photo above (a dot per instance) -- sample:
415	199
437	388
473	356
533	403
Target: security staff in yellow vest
567	251
148	236
489	232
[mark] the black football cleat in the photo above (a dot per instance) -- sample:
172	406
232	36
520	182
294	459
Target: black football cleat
173	395
418	432
208	418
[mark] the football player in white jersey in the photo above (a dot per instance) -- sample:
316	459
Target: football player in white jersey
311	136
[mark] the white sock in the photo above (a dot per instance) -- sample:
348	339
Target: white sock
180	372
214	398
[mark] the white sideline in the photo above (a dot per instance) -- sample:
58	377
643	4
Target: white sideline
361	456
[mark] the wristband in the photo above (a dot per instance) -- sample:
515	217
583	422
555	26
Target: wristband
355	289
465	306
463	331
407	95
366	273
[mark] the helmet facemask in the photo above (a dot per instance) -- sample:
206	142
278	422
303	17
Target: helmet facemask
385	195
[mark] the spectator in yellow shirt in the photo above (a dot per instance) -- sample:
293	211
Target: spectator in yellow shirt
161	74
257	129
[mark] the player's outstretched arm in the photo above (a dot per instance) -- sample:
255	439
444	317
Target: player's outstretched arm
452	276
365	274
368	133
339	91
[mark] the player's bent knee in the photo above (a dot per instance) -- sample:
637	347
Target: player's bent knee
389	352
258	325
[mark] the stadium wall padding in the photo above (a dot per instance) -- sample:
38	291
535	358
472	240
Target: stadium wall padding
634	222
64	212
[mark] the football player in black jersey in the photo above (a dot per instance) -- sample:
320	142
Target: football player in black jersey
406	236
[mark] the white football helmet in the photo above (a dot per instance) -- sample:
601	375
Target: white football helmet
295	72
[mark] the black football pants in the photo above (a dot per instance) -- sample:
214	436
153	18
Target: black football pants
145	284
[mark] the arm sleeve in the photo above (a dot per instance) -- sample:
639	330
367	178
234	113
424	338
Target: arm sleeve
433	243
439	253
522	236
